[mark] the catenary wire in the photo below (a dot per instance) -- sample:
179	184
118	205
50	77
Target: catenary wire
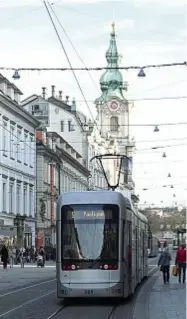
94	83
132	67
71	68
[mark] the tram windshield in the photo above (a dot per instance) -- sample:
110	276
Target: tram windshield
90	232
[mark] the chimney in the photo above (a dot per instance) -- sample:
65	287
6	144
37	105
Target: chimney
67	99
44	92
60	95
53	90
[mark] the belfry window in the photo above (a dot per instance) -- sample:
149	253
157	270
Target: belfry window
114	124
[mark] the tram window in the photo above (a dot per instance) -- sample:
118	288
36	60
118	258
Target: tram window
90	232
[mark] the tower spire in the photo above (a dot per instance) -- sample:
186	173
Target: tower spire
113	27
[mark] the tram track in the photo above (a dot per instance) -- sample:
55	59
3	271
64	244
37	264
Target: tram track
108	315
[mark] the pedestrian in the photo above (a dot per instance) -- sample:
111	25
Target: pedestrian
4	256
180	261
164	263
11	257
22	257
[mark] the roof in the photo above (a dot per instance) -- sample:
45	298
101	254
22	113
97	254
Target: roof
64	141
18	109
3	79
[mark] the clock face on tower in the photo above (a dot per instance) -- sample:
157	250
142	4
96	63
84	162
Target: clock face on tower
113	105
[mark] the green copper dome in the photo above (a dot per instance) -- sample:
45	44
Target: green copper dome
111	80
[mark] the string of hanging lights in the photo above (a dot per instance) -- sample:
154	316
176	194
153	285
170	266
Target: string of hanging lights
141	73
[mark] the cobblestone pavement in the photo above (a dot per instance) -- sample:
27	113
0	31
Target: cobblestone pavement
16	277
161	301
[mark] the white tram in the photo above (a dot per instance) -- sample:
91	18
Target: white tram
101	245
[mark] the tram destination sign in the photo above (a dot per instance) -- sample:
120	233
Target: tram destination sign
90	214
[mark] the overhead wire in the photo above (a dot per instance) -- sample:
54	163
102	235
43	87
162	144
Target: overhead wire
71	68
93	81
98	68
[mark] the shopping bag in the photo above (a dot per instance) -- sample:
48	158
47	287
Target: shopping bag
175	270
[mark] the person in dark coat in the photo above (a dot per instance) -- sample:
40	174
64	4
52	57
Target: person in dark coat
164	262
4	256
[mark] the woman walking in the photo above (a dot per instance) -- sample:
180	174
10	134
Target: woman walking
4	256
164	263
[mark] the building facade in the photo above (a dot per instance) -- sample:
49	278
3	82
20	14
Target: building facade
61	116
79	135
58	170
17	167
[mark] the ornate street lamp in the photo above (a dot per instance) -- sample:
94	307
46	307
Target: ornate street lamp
19	223
112	166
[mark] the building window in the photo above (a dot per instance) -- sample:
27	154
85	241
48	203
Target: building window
19	145
4	197
70	126
30	200
62	126
25	148
114	124
11	194
4	138
18	193
31	150
12	142
25	200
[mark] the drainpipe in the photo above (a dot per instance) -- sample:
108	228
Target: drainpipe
52	197
59	175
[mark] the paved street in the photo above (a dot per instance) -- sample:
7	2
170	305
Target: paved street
31	293
16	277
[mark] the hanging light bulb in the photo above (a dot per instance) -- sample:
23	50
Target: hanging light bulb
16	75
169	175
156	129
141	73
164	155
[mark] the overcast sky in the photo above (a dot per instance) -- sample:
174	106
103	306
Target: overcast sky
148	32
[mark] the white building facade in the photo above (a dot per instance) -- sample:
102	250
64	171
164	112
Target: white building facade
17	166
61	116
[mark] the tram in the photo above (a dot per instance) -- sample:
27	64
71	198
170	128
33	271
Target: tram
101	245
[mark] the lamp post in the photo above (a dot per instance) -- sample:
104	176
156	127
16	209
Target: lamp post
19	223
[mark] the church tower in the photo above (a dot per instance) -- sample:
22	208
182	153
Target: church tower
112	106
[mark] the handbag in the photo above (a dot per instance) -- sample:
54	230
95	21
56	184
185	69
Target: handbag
175	270
161	268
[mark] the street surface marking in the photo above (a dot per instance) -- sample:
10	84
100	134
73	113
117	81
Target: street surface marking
26	303
20	289
150	271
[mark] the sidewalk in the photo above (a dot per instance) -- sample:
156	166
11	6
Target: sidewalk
48	264
161	301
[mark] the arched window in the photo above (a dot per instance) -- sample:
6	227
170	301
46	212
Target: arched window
114	124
